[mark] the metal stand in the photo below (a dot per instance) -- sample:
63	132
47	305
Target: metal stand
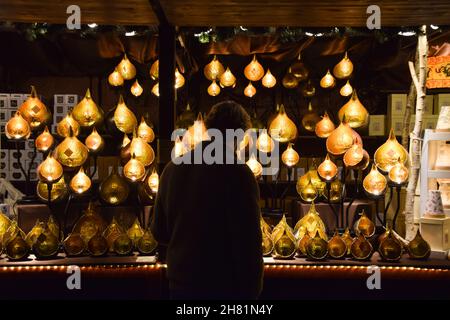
347	212
398	189
330	204
95	167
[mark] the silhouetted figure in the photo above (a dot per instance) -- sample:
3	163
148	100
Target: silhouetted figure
208	216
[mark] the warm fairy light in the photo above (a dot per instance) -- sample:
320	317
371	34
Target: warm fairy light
80	182
136	89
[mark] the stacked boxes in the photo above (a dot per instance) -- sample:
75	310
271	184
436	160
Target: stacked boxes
377	125
62	104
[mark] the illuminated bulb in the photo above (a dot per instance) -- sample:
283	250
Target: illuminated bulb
155	89
134	170
115	78
213	89
227	79
153	181
179	79
126	68
269	81
255	166
44	141
50	170
346	90
94	142
63	127
399	173
145	132
80	182
264	143
17	128
136	89
327	81
290	157
327	170
250	90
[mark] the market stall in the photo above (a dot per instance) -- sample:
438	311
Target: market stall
82	150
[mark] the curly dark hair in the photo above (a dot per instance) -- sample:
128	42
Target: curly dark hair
228	115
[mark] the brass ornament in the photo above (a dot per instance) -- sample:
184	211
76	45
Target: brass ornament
34	111
136	89
196	133
310	119
398	174
112	232
145	132
135	232
290	157
344	68
317	248
254	71
44	141
71	153
336	191
17	248
355	113
324	127
418	248
353	156
269	81
153	181
142	151
284	240
64	126
125	154
179	79
310	224
346	89
46	245
115	78
249	90
327	81
80	182
94	142
227	79
282	128
126	68
389	153
301	247
59	190
35	232
348	240
154	70
74	245
390	248
124	118
365	226
337	248
289	80
255	166
90	224
214	69
361	249
87	113
123	245
327	170
264	143
213	89
307	193
299	70
308	90
97	245
17	128
155	89
341	139
134	170
50	170
375	183
114	189
147	244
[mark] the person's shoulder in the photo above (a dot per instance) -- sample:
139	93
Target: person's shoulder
244	171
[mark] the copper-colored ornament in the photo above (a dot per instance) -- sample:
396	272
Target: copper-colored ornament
50	170
365	226
17	128
97	245
418	248
124	118
63	127
44	141
114	189
154	70
80	182
390	153
355	113
214	69
299	70
134	170
87	113
346	89
282	128
269	81
310	119
74	245
353	155
145	132
308	90
327	170
155	89
179	79
327	81
289	80
115	78
71	153
324	127
317	248
337	248
348	240
264	143
254	71
398	174
227	79
390	248
375	183
301	248
344	68
255	166
361	249
126	68
249	90
341	139
136	89
153	181
142	150
94	142
34	111
213	89
290	157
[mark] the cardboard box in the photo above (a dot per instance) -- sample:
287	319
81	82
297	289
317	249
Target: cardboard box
4	116
396	104
15	100
57	118
442	99
430	121
59	99
29	144
397	124
436	231
4	155
71	99
4	169
377	125
4	100
15	174
11	113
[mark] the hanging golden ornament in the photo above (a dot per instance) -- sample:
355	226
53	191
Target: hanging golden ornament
361	249
46	245
145	132
308	90
125	154
327	81
63	127
53	226
71	153
398	174
114	189
123	245
227	79
90	223
353	155
255	166
126	68
355	113
154	70
390	248
17	128
153	181
365	226
214	69
264	143
267	244
317	248
97	245
284	247
341	139
74	245
34	111
346	89
344	68
249	90
310	224
336	191
58	192
290	157
337	248
178	149
124	118
135	232
327	170
316	181
213	89
134	170
136	89
254	71
142	150
269	81
299	70
389	153
196	133
265	227
375	183
115	78
147	244
324	127
179	79
348	240
87	113
308	193
155	89
80	182
282	128
289	80
418	248
44	141
17	248
94	142
112	232
301	247
35	232
50	170
310	119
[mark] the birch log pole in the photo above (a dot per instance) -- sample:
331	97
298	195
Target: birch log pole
419	83
410	104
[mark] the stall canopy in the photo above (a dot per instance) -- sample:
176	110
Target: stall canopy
231	12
